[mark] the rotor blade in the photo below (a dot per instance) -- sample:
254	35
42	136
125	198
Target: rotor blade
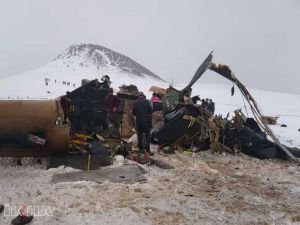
202	68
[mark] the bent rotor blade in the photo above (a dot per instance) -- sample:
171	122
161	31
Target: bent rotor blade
202	68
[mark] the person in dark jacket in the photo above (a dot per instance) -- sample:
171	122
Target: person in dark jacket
211	106
142	111
204	104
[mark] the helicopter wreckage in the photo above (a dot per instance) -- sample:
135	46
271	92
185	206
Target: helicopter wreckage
79	122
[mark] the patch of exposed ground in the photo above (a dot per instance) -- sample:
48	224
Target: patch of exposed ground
206	189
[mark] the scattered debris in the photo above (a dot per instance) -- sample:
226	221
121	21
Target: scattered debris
195	123
158	90
272	120
123	174
129	92
21	220
160	163
19	162
168	150
79	161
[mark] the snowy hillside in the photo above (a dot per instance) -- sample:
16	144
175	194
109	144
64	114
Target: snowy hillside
86	55
66	71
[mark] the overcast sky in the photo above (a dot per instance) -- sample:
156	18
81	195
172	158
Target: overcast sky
258	39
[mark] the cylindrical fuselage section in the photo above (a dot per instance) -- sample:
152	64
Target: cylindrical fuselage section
22	117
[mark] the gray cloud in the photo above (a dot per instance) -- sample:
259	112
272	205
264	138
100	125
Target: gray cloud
259	39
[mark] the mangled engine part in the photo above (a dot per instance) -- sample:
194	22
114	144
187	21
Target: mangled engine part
34	139
129	92
271	120
185	123
229	135
226	72
85	107
183	118
86	152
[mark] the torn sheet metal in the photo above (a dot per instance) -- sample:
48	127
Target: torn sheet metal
123	174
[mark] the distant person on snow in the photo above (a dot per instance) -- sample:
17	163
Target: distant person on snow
142	111
211	106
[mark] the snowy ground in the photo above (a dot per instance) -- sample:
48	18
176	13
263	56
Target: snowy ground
206	189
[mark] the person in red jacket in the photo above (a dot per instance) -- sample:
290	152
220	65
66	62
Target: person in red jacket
156	102
113	102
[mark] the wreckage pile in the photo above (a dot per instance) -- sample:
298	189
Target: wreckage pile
198	129
94	123
185	121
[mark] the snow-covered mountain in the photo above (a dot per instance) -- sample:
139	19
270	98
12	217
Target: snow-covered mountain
101	57
65	72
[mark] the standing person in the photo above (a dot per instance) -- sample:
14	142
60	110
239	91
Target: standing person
113	102
106	80
142	111
157	114
212	106
156	102
204	104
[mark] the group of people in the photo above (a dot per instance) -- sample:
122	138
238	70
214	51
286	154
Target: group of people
208	105
142	111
